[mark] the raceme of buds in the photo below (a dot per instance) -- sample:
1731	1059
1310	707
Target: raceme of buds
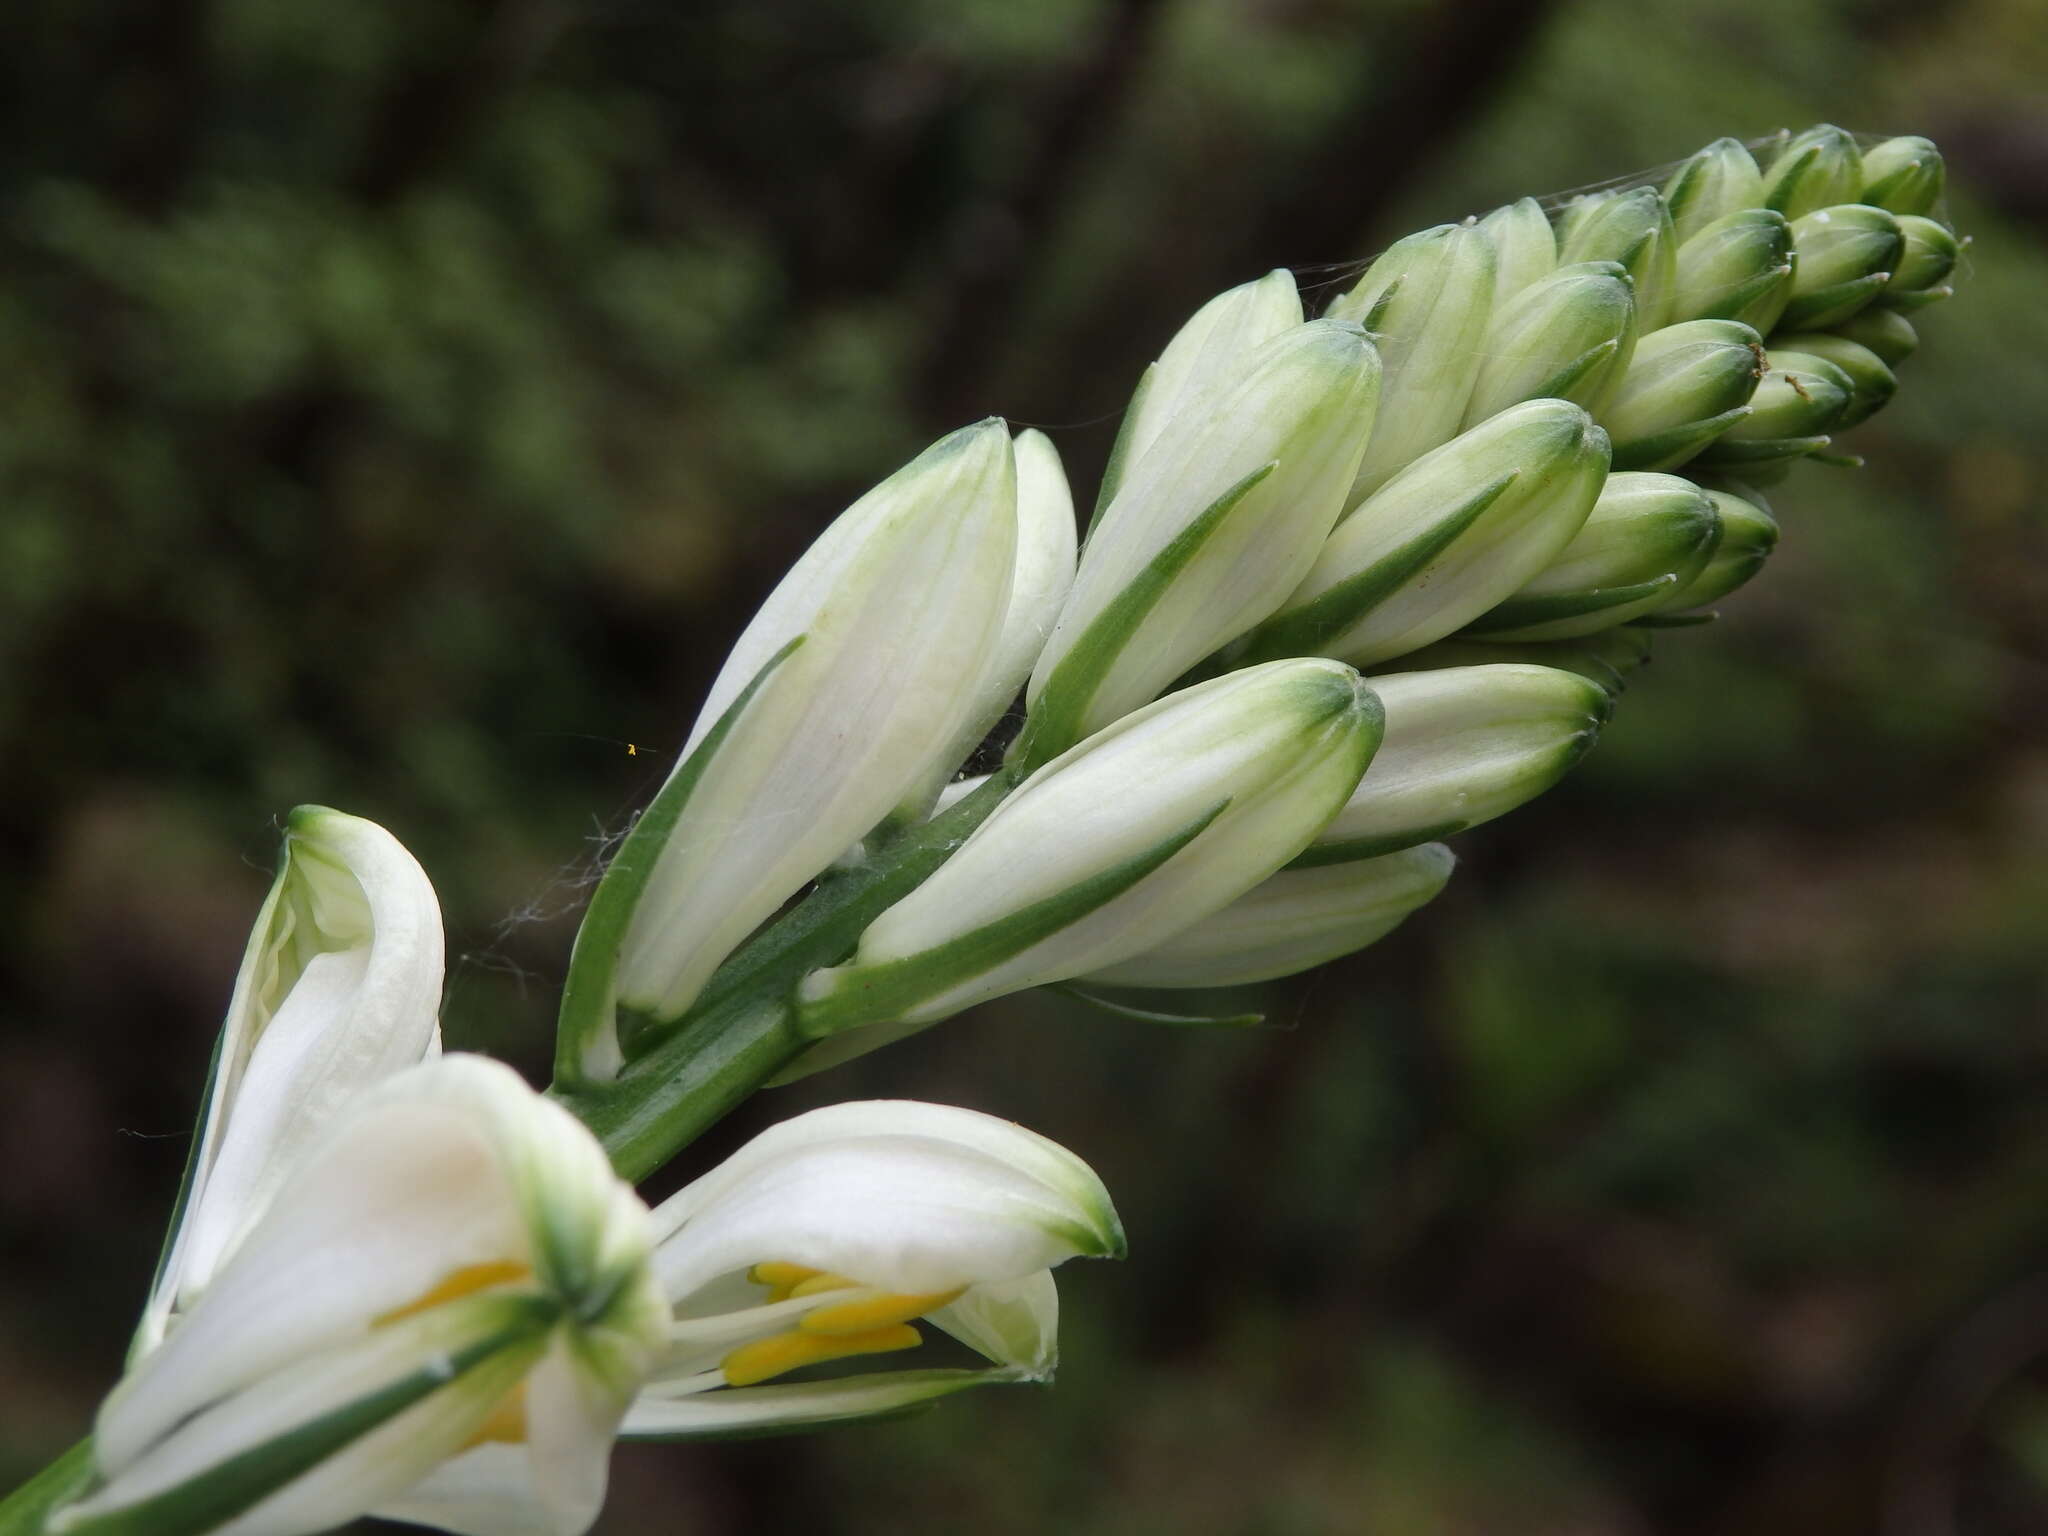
1797	403
1209	352
1043	576
1872	383
1291	922
1150	825
1717	181
1686	385
440	1318
1928	254
1633	228
340	988
846	692
1208	532
1567	336
1846	255
1748	535
828	1236
1740	267
1884	331
1524	247
1815	169
1904	175
1648	536
1463	745
1427	302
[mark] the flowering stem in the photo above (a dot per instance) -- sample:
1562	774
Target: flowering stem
23	1512
743	1030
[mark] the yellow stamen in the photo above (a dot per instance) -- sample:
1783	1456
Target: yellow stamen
874	1312
505	1424
822	1282
456	1284
765	1359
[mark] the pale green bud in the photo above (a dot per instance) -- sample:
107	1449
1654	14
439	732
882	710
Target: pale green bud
1872	383
1797	403
1928	254
1712	184
1748	535
1447	538
1815	169
1567	336
1427	302
1463	745
1524	246
1884	331
1740	267
1607	658
1846	254
1167	816
1209	531
1209	352
1904	175
1686	385
1292	922
1648	536
844	694
1633	228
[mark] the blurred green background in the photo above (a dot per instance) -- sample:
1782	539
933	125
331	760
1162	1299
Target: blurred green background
405	404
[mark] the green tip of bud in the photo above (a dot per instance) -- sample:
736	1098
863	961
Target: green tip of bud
1633	228
1928	253
1872	382
1884	331
1812	170
1748	535
1524	247
1739	267
1567	336
1797	403
1847	253
1687	385
1712	184
1905	175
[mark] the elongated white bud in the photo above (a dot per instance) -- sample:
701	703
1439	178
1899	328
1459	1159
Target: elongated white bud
1815	169
1463	745
1209	352
1846	256
1524	246
1686	385
1445	540
1748	535
1711	185
1165	817
1632	228
1567	336
1904	175
1427	302
1209	533
849	689
1291	922
1648	537
1739	267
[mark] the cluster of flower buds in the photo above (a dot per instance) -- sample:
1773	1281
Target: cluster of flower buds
1512	447
1354	585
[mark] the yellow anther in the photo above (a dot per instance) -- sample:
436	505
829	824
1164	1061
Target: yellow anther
456	1284
822	1282
765	1359
777	1273
505	1424
874	1312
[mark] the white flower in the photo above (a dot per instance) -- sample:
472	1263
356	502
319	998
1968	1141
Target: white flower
828	1235
847	691
338	990
441	1317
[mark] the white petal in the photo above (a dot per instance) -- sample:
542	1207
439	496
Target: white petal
908	1198
1014	1323
796	1405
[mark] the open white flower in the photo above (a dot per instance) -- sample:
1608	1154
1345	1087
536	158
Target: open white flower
440	1317
826	1236
338	990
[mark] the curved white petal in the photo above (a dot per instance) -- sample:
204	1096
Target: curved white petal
338	990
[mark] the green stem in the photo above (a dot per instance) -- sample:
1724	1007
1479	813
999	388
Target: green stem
24	1511
743	1031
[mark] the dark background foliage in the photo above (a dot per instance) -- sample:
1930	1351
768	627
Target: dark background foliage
405	404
